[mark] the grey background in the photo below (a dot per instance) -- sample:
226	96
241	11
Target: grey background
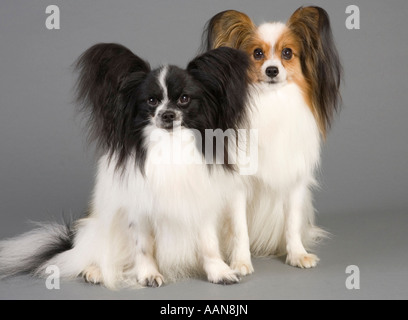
47	169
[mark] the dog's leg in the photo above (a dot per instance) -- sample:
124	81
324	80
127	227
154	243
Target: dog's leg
240	255
145	270
107	242
297	255
216	269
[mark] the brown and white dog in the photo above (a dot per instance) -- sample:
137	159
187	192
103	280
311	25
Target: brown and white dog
295	77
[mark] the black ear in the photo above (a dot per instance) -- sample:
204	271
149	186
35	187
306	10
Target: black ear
223	75
108	72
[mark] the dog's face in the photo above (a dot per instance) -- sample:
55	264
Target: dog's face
170	98
275	54
273	48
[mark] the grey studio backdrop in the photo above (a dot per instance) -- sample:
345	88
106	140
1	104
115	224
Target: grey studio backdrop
47	168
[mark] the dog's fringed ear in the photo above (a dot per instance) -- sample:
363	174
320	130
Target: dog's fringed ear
107	73
223	75
320	61
229	28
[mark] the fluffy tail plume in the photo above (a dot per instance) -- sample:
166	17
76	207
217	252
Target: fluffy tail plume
30	252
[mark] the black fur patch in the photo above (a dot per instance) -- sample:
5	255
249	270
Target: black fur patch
223	77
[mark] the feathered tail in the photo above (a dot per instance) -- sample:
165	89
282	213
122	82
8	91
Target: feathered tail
30	252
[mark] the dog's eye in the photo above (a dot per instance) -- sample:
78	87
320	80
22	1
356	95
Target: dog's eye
153	102
287	53
184	100
258	54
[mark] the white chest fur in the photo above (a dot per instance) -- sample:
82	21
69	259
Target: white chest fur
177	195
289	140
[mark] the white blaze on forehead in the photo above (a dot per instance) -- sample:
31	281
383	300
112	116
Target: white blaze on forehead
270	32
162	84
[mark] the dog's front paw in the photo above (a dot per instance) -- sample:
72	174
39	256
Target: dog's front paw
242	268
92	274
225	278
304	261
220	273
153	280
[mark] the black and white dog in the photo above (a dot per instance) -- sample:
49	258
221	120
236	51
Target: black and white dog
151	220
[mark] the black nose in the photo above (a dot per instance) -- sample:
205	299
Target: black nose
168	116
272	72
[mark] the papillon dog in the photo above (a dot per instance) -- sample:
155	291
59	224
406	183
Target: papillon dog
294	95
150	220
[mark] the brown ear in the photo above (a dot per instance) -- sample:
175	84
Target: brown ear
308	23
319	60
228	29
306	13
